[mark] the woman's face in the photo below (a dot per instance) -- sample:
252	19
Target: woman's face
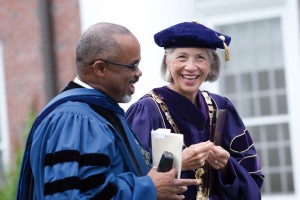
189	67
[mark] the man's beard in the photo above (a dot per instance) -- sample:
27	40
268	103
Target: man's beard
126	99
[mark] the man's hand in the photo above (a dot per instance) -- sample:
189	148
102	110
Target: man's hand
168	186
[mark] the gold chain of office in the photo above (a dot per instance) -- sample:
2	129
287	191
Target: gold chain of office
203	193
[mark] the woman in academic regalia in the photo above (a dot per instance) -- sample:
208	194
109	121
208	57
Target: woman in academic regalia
229	167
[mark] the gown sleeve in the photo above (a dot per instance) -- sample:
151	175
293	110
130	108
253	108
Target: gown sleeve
74	156
142	117
245	173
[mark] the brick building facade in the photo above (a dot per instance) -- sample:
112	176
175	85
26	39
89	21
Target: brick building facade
38	39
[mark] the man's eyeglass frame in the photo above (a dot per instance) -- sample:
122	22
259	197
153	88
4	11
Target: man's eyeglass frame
133	67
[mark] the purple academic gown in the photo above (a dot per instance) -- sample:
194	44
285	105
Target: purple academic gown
246	177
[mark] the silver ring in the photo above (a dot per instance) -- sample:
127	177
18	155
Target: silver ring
216	161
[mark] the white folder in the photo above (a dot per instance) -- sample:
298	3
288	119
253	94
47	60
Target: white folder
163	140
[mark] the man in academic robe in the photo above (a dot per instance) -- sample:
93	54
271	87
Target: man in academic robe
80	146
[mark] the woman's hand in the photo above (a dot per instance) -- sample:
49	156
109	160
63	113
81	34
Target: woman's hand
218	157
195	155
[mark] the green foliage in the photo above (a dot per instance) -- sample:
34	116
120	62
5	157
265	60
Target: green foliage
11	177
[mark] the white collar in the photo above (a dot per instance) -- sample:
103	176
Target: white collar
79	82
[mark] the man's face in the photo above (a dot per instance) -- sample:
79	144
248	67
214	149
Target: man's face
120	80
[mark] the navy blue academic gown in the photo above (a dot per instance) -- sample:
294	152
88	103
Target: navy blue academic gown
75	153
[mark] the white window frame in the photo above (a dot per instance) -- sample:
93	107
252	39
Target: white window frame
4	142
222	12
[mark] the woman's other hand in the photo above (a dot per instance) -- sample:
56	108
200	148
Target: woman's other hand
195	155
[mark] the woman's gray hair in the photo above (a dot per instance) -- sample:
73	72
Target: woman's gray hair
215	64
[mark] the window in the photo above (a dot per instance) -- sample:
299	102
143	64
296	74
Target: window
255	77
273	145
262	80
254	80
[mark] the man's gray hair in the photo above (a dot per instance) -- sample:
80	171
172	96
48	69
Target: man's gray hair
98	42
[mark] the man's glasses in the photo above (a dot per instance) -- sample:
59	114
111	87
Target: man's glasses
133	67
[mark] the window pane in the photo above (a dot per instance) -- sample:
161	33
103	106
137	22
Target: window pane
280	78
273	157
290	181
265	106
281	104
263	78
246	83
246	108
229	84
254	132
271	131
285	131
288	158
276	182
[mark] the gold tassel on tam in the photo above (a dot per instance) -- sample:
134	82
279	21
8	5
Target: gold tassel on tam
227	56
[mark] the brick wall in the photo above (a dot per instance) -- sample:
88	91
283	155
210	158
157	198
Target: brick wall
20	33
66	31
